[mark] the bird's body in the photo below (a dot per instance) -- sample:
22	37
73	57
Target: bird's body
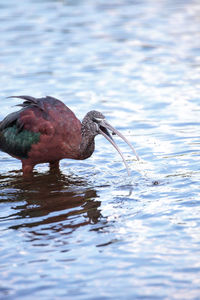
46	130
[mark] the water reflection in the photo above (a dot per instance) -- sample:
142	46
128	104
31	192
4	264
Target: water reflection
49	200
137	62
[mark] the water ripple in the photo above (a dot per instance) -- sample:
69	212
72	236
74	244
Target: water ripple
90	231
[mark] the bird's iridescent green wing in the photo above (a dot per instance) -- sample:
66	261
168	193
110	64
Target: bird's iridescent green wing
17	142
14	139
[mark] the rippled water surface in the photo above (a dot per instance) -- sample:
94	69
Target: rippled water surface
90	231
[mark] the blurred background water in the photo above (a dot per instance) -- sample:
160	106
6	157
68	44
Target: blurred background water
91	232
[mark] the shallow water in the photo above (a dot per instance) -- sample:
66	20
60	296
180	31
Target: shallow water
90	231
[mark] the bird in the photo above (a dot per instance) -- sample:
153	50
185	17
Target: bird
45	130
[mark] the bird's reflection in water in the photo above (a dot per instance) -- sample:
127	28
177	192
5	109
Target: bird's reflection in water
49	202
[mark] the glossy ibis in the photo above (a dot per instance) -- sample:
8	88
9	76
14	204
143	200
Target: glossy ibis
46	130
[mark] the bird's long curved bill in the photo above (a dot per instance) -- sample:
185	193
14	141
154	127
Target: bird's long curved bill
103	130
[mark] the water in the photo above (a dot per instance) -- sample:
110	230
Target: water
91	232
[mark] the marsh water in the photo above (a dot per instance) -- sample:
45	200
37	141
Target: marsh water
90	231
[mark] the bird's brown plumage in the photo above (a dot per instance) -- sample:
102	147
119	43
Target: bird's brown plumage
59	129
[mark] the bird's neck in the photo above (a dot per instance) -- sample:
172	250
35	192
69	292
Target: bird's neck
87	144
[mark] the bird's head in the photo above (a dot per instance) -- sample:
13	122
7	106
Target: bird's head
94	123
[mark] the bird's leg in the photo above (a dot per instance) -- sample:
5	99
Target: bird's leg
54	165
27	168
